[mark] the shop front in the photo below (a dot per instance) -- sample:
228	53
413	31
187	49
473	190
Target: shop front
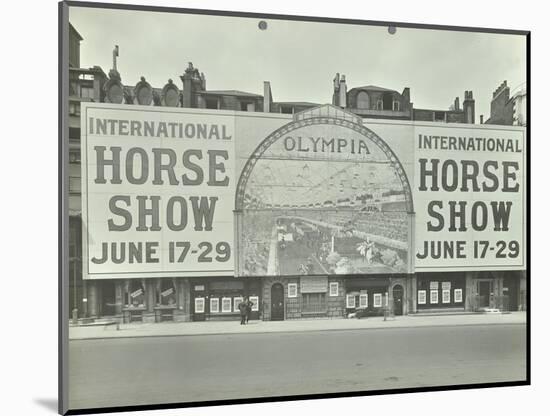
497	290
153	300
368	294
440	291
219	298
303	297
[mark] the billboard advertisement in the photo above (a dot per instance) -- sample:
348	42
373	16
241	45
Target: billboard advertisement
469	196
323	192
158	189
326	195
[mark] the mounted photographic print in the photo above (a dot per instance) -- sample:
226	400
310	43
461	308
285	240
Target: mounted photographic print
259	207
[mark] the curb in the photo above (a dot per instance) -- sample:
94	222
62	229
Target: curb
288	331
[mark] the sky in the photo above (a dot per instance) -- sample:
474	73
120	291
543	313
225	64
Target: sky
300	59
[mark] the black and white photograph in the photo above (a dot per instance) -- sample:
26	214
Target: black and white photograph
275	207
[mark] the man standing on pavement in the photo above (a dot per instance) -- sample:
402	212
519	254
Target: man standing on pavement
242	310
249	305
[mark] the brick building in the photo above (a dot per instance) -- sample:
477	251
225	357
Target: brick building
376	102
508	109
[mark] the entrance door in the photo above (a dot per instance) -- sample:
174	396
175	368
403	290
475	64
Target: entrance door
484	292
510	290
398	300
108	299
277	302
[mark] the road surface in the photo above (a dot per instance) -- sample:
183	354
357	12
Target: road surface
133	371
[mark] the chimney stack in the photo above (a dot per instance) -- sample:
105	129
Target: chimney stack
343	91
336	89
267	97
469	106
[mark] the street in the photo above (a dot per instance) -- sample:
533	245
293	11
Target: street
152	370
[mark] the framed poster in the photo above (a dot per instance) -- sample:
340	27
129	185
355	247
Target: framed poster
214	305
242	193
421	297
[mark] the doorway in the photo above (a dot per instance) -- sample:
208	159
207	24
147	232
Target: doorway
398	300
510	291
277	302
108	298
484	291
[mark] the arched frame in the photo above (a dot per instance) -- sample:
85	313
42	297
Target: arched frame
287	128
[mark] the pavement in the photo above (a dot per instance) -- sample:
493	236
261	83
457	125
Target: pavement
166	329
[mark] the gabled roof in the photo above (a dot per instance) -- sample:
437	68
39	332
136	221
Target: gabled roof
301	103
231	92
75	32
328	110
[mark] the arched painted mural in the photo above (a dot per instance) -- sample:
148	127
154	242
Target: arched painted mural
323	195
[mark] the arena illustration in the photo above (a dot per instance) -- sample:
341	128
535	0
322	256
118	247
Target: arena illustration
323	195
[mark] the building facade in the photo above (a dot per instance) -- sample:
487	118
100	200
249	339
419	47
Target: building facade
508	109
282	282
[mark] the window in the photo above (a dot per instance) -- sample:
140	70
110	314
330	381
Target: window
236	302
74	156
434	296
421	297
74	109
199	305
166	292
379	105
247	106
136	294
255	303
314	303
446	296
226	305
293	290
363	100
287	109
363	300
458	295
212	103
350	301
396	106
214	305
87	92
377	300
439	116
74	184
333	291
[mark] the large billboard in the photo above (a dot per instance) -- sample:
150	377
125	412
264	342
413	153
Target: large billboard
158	190
469	197
326	195
322	192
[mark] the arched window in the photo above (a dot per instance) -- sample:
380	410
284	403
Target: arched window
363	100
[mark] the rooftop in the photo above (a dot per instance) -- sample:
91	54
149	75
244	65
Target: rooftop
230	92
373	88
